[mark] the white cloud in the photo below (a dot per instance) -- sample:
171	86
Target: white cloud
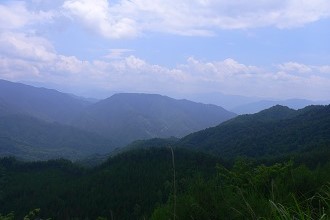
97	16
26	46
295	67
324	69
27	57
18	69
131	18
15	15
218	71
117	53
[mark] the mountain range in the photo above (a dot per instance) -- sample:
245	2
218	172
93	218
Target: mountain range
39	123
127	117
45	104
258	106
250	105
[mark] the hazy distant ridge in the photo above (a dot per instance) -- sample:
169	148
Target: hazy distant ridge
40	123
127	117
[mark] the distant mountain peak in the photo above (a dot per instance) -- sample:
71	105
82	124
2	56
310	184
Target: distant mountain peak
42	103
258	106
133	116
276	112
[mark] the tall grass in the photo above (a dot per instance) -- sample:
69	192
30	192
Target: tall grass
314	208
174	184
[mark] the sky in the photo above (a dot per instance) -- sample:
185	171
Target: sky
94	48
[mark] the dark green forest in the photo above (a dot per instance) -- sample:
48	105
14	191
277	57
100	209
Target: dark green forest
140	184
273	132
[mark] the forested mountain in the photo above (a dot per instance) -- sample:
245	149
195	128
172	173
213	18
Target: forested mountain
254	107
272	132
122	118
127	117
46	104
33	139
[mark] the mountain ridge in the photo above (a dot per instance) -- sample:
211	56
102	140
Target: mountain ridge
265	133
255	107
119	119
149	116
42	103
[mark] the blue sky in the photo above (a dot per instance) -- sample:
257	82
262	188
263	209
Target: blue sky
93	48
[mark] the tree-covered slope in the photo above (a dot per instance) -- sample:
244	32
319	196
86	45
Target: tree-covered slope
272	132
129	117
128	186
33	139
254	107
139	184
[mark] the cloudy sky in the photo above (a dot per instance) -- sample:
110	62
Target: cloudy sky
264	48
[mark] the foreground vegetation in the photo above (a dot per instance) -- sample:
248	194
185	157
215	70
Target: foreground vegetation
139	184
280	191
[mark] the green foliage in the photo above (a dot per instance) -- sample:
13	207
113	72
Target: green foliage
138	184
7	217
274	132
127	186
34	214
2	180
316	207
246	191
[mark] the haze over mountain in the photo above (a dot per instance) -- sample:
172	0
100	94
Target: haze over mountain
254	107
250	105
129	116
44	121
226	101
38	123
42	103
30	138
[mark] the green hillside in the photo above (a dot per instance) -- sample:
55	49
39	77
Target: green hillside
273	132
